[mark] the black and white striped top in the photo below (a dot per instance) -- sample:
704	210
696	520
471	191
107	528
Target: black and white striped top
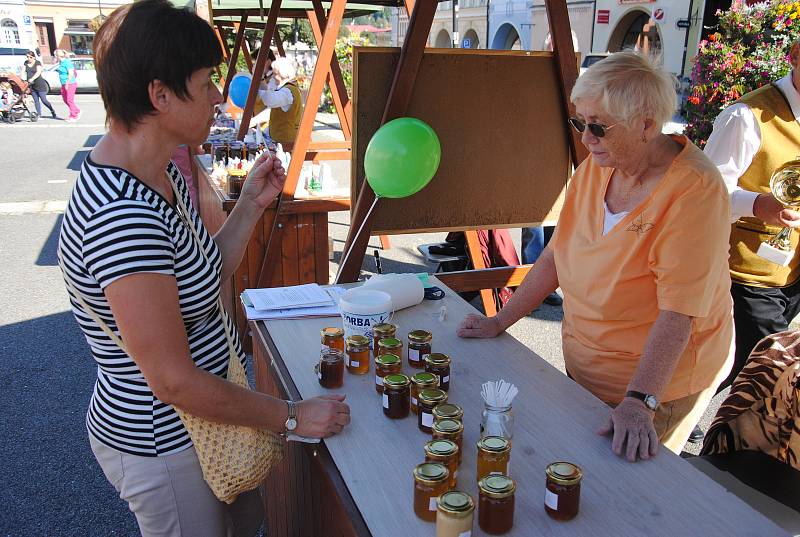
114	226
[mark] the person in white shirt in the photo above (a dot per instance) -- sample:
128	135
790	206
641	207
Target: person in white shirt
750	140
282	99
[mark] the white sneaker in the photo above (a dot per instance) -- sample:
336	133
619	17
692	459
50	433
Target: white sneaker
78	117
70	120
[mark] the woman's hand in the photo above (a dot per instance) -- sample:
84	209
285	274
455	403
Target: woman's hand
479	326
632	424
265	180
322	416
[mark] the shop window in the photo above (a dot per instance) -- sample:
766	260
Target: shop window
81	44
10	32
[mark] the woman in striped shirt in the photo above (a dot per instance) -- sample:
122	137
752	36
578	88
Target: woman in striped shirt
126	249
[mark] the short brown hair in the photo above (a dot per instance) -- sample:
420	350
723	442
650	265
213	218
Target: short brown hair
146	41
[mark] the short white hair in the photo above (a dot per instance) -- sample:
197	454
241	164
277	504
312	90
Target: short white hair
629	86
285	68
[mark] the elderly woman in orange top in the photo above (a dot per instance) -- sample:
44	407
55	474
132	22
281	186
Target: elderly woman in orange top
641	255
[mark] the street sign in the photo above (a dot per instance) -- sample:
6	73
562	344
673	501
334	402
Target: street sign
466	43
26	20
684	24
659	15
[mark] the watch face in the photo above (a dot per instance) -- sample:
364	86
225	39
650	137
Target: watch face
291	424
651	402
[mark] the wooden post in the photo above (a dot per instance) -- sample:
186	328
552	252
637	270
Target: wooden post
399	96
237	45
303	139
258	70
226	50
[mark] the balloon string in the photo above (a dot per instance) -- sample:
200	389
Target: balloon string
355	239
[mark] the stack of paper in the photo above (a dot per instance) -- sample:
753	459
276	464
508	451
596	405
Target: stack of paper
293	302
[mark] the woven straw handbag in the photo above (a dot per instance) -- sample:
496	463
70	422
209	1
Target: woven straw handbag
234	458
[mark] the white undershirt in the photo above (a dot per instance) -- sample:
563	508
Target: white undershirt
611	219
734	142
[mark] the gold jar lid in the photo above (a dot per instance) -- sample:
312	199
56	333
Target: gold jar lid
332	331
425	380
564	473
497	485
384	329
387	360
357	341
420	336
437	359
448	426
456	503
432	396
390	342
395	380
494	444
431	473
448	411
236	172
441	448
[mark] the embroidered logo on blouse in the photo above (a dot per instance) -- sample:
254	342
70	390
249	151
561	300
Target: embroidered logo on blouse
639	226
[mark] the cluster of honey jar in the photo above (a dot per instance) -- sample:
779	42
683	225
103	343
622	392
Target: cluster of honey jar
425	394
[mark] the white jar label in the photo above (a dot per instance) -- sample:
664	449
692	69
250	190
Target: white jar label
347	360
413	355
385	401
467	533
354	364
414	401
432	504
319	374
378	380
446	379
427	419
551	500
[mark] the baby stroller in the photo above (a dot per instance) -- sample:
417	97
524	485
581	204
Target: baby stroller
23	104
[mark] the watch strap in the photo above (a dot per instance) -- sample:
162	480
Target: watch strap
641	396
292	407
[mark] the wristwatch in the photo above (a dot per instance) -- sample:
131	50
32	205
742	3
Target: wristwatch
291	421
649	400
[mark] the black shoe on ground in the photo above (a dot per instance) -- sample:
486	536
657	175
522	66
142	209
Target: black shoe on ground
553	299
697	435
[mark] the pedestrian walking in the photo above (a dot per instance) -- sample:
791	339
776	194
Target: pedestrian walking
37	84
69	84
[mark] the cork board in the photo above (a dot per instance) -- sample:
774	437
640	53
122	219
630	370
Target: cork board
502	126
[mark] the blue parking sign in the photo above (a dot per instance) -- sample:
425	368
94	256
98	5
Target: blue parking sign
26	19
466	43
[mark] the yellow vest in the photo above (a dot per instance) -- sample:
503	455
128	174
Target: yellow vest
780	143
283	125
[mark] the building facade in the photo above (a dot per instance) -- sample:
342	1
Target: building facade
16	27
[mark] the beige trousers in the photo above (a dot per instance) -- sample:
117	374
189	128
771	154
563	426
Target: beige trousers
169	497
674	420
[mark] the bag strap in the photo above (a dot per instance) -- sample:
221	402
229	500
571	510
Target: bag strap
182	212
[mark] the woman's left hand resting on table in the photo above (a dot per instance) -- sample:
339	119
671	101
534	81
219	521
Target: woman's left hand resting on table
631	422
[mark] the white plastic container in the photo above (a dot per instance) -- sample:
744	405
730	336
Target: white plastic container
362	309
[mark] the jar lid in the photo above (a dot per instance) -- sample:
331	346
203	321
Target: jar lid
387	359
425	379
384	328
448	410
395	380
432	396
442	448
448	426
494	444
497	486
390	342
420	336
332	331
358	341
456	503
437	358
431	472
564	473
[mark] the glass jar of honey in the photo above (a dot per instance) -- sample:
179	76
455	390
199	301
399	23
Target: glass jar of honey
332	338
381	331
496	504
452	430
390	345
444	452
448	411
431	480
563	490
419	344
330	369
427	401
494	453
386	364
236	180
439	364
419	382
357	355
455	514
395	396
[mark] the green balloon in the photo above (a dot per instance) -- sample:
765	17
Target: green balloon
402	158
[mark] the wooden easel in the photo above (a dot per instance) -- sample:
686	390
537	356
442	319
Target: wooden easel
396	105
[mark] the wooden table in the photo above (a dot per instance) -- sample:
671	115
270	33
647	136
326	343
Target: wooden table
360	483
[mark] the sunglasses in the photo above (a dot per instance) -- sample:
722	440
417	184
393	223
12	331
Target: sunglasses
597	129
